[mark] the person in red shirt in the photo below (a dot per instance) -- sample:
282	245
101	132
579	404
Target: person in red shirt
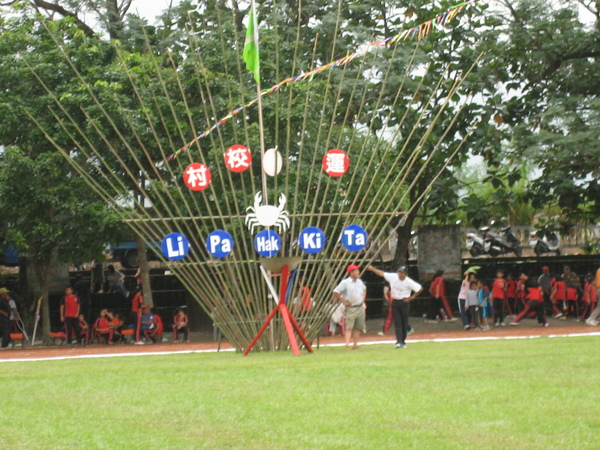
511	294
136	313
180	325
84	329
499	297
69	315
572	302
535	303
559	296
589	296
115	324
439	302
102	328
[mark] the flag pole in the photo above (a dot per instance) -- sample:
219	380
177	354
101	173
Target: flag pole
261	131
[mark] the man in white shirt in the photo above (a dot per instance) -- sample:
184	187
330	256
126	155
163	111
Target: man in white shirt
404	290
352	292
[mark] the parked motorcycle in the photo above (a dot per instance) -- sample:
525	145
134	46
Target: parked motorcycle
548	243
475	245
504	242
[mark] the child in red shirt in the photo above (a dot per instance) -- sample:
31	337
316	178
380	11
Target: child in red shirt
499	296
535	303
84	329
102	328
559	296
589	296
572	302
180	325
511	295
69	315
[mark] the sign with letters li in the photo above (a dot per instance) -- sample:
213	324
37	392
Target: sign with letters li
175	246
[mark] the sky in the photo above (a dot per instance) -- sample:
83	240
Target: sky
149	9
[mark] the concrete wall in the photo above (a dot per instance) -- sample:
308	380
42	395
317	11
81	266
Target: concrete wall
439	247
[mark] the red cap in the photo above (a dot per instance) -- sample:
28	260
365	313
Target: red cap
545	268
352	267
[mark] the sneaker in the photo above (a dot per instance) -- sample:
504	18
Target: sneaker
400	345
139	343
409	332
466	327
591	322
502	324
497	324
546	324
514	324
562	317
557	316
381	333
454	319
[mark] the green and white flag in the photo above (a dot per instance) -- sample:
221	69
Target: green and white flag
251	56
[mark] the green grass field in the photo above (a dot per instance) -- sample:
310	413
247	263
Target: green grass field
526	393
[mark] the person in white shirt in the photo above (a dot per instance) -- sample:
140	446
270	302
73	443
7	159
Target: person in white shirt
352	292
404	290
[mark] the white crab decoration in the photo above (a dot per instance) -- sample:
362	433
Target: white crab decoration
267	215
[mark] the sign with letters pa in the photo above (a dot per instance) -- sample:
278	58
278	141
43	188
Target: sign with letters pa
219	243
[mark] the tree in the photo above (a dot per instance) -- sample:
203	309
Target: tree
549	65
49	214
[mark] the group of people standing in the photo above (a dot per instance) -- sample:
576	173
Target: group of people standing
480	305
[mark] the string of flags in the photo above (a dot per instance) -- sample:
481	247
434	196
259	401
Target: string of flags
419	32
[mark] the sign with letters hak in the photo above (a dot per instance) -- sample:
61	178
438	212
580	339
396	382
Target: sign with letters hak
267	243
175	246
312	240
219	243
354	238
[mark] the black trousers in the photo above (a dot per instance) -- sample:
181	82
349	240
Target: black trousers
72	324
5	328
400	310
499	309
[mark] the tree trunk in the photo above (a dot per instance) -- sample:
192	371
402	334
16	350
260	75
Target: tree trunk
404	237
144	270
43	273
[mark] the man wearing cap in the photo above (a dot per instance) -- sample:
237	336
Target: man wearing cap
4	318
352	292
404	290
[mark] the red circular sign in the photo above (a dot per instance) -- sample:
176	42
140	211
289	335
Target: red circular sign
336	163
197	176
238	158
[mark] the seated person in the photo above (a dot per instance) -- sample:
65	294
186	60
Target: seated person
180	325
116	281
115	324
147	324
84	329
102	329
